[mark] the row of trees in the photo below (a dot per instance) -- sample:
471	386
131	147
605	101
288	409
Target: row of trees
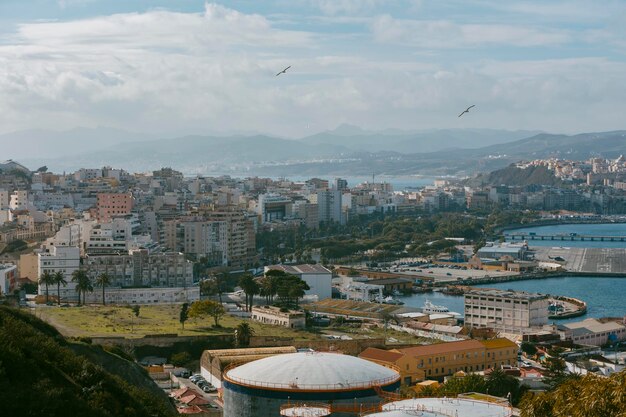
287	288
83	282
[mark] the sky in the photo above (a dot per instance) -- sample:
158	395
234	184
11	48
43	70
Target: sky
187	66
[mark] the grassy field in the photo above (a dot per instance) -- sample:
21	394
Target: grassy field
95	320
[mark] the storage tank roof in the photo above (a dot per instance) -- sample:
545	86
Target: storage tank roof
461	407
312	371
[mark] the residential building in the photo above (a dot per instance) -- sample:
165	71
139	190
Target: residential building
29	266
8	278
273	207
276	316
139	268
110	205
240	234
207	239
329	206
151	295
444	359
65	259
505	310
316	276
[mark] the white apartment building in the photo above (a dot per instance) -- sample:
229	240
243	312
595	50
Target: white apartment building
505	310
329	206
316	276
19	200
66	259
145	295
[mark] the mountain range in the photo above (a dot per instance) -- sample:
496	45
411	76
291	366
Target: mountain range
347	150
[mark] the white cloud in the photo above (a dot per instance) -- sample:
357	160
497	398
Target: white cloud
448	34
173	73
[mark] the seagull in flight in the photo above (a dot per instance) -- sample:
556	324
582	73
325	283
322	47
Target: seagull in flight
283	71
466	110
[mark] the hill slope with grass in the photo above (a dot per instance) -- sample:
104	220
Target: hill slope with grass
41	375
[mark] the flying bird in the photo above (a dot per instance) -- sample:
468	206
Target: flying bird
466	110
283	71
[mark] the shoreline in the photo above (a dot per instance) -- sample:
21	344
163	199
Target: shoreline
529	277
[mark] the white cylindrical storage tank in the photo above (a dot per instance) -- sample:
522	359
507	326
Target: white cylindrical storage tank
260	388
437	407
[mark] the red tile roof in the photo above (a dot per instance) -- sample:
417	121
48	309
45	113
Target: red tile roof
447	347
380	355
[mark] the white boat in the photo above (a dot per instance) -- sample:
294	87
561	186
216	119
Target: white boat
388	300
432	308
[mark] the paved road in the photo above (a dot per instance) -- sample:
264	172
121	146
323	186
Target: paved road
586	259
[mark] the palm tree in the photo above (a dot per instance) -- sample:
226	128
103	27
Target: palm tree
243	333
103	280
46	279
83	283
59	279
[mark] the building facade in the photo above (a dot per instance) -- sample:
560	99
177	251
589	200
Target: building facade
273	315
109	205
65	259
505	310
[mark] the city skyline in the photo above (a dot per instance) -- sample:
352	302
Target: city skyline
177	68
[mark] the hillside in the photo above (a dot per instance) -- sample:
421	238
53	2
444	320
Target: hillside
514	176
40	375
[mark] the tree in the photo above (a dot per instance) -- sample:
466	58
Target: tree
529	348
250	287
59	279
184	314
83	283
136	310
243	333
46	279
103	280
207	308
180	358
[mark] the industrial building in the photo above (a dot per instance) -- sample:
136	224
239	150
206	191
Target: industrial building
505	310
518	251
214	362
260	388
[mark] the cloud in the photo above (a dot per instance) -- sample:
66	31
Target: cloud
172	73
448	34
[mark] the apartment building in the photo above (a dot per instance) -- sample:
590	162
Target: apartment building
146	295
65	259
139	268
207	239
329	206
240	234
444	359
8	278
109	205
505	310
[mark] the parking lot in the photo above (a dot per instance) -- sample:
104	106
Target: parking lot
441	273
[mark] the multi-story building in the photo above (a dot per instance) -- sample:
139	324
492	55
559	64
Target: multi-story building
110	205
8	278
139	268
592	332
240	235
146	295
65	259
329	206
207	239
273	207
505	310
444	359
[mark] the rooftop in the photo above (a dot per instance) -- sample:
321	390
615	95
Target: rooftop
447	407
439	348
498	343
593	325
300	269
517	295
380	355
312	371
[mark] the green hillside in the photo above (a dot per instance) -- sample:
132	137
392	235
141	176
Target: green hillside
514	176
40	375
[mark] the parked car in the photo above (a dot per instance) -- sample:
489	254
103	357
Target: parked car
209	388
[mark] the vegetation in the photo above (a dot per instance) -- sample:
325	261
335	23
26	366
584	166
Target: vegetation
243	333
184	314
59	279
83	283
580	396
529	348
208	308
47	280
41	375
103	280
250	288
497	383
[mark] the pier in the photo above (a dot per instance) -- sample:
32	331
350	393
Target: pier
571	237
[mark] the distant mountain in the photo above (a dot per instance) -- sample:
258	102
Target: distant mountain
515	176
360	140
38	143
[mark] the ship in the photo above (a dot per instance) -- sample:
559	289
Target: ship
432	308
